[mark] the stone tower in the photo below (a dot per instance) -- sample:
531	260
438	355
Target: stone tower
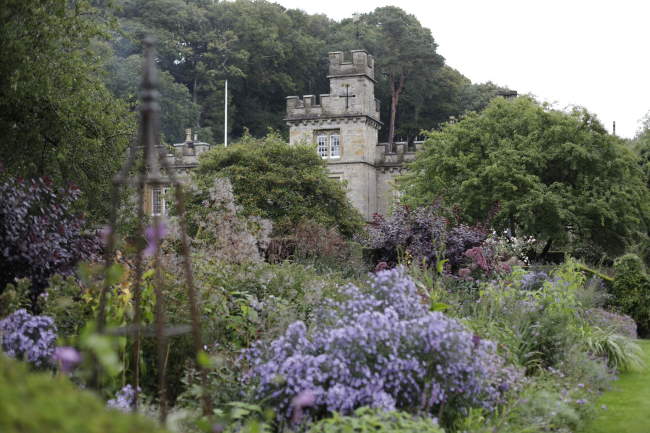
343	126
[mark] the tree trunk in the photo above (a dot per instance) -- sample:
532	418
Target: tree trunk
547	248
395	91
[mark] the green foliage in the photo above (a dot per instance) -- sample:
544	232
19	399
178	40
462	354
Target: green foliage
373	420
16	296
558	176
286	184
38	402
56	116
621	352
264	51
405	52
177	110
631	290
538	327
267	52
240	304
324	248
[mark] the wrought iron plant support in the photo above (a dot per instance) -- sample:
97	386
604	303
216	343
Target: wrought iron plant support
153	171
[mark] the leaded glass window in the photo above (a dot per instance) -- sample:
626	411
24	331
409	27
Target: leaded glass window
323	146
335	146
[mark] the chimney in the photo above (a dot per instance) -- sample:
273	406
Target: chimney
188	135
196	137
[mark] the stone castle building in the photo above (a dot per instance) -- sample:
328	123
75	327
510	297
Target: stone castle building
343	126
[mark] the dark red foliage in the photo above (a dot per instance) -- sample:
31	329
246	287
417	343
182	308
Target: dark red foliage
39	233
422	234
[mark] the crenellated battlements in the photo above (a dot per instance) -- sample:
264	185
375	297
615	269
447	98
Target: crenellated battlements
352	90
309	107
362	64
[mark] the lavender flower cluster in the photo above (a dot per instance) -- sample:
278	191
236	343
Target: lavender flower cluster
382	348
124	400
533	280
28	338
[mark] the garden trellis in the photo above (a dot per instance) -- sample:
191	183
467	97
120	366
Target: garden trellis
145	167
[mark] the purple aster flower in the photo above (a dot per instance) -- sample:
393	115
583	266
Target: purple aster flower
380	347
66	358
28	338
124	400
154	234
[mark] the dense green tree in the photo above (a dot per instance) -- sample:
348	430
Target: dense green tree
177	111
475	97
555	175
264	51
267	52
640	145
405	52
287	184
57	119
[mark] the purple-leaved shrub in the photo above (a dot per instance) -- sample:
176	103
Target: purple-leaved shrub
381	348
423	234
28	338
39	233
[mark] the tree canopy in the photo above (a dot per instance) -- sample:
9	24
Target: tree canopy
555	175
267	52
405	51
57	118
287	184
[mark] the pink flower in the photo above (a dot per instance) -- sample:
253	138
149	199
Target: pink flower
464	272
381	266
154	234
105	233
67	358
306	398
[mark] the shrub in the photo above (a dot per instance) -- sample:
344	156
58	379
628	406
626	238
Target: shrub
313	243
631	290
620	324
220	229
420	234
381	348
28	338
538	327
621	353
240	304
39	233
38	402
366	419
283	183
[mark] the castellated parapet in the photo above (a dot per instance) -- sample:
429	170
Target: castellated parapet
352	91
362	64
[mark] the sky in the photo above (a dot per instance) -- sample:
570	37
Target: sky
591	53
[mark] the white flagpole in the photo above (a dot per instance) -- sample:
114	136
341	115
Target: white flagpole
225	118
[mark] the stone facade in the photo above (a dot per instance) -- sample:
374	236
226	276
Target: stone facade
183	157
343	127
